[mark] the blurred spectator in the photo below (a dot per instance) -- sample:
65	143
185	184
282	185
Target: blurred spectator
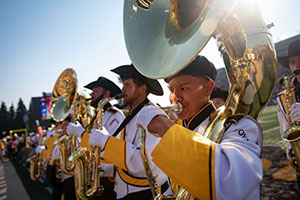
2	149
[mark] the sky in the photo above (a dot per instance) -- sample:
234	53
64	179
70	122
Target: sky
39	39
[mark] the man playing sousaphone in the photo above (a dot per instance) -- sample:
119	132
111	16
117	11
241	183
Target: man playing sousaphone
288	100
123	151
112	117
230	169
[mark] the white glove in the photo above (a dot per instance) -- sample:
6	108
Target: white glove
98	137
145	116
39	149
75	129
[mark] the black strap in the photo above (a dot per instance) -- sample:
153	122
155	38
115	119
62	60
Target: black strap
105	107
200	117
233	120
297	90
130	116
164	187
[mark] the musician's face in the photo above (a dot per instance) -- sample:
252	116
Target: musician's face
192	92
59	128
294	62
131	92
97	95
65	124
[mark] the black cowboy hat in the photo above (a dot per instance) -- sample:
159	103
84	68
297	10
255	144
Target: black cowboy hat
106	84
293	49
201	66
130	71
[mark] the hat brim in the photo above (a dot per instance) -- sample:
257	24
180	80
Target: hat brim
129	71
91	85
108	85
284	61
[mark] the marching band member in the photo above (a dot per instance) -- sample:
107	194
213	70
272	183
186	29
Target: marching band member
123	151
230	169
112	118
64	186
291	61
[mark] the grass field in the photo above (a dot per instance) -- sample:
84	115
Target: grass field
269	123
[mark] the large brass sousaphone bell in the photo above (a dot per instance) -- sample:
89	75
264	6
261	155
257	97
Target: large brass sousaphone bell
66	100
64	95
163	37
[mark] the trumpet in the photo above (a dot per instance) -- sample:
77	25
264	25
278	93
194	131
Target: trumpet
175	108
87	163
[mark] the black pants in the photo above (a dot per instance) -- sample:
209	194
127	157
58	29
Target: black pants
57	191
69	189
142	195
108	192
66	188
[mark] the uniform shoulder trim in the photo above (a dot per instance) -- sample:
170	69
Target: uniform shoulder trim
233	119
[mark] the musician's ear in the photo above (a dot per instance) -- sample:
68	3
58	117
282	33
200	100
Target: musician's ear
106	94
143	89
209	87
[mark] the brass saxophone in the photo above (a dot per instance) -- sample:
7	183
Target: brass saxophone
36	163
87	163
35	166
66	145
292	134
175	108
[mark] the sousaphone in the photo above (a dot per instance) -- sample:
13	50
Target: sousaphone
163	37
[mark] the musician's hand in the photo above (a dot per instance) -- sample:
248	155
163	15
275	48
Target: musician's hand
75	129
98	137
295	112
145	116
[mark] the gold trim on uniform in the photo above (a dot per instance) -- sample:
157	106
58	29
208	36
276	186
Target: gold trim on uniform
180	154
114	150
84	142
49	144
132	180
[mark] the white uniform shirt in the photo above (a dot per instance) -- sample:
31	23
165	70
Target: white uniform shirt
134	160
282	118
112	120
238	169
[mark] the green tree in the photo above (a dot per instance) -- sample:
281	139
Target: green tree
11	113
4	117
20	112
